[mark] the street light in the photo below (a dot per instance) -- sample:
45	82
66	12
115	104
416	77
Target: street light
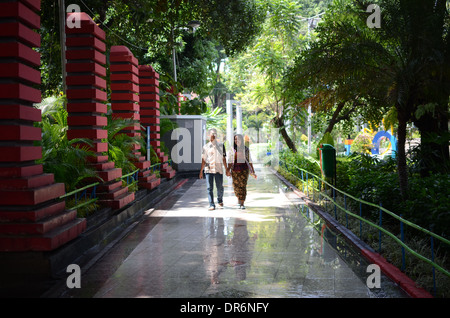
62	41
312	23
194	25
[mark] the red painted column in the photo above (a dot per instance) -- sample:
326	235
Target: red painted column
149	111
32	217
86	104
124	77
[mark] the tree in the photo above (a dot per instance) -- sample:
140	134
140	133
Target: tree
151	28
402	64
259	70
257	121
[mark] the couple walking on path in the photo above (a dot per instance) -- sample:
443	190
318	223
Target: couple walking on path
214	162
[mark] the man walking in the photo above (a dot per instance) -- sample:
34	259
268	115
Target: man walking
213	162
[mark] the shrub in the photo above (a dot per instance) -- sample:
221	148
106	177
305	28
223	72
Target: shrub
362	143
66	159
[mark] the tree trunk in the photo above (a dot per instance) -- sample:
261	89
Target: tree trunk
280	124
401	155
433	140
334	118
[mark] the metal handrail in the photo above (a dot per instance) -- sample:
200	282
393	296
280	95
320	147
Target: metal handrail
94	185
83	189
130	174
79	190
380	228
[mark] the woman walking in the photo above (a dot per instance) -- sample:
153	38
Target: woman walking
240	165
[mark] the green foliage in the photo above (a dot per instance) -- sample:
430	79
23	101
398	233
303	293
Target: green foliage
215	118
256	75
193	107
151	28
85	210
257	122
299	160
233	23
120	145
119	151
166	125
403	65
371	179
362	143
430	203
429	153
375	180
326	139
66	159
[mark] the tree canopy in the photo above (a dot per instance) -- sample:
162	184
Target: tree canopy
403	64
151	28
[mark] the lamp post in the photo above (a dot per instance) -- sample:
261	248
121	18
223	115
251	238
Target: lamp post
173	57
194	25
62	38
312	23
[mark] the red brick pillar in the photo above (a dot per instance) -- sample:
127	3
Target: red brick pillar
149	111
86	104
124	77
32	218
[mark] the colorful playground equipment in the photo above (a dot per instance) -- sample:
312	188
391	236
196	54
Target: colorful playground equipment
377	138
376	143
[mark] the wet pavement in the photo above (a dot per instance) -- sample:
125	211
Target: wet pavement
181	250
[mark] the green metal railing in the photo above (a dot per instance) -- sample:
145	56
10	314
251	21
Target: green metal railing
311	180
132	177
82	193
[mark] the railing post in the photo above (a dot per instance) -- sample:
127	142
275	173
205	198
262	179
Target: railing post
320	189
379	231
360	222
303	186
402	237
433	268
307	185
93	194
334	200
345	205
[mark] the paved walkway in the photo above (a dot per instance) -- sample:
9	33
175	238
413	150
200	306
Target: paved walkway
180	249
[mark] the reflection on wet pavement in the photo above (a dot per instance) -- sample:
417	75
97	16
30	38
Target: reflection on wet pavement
183	250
